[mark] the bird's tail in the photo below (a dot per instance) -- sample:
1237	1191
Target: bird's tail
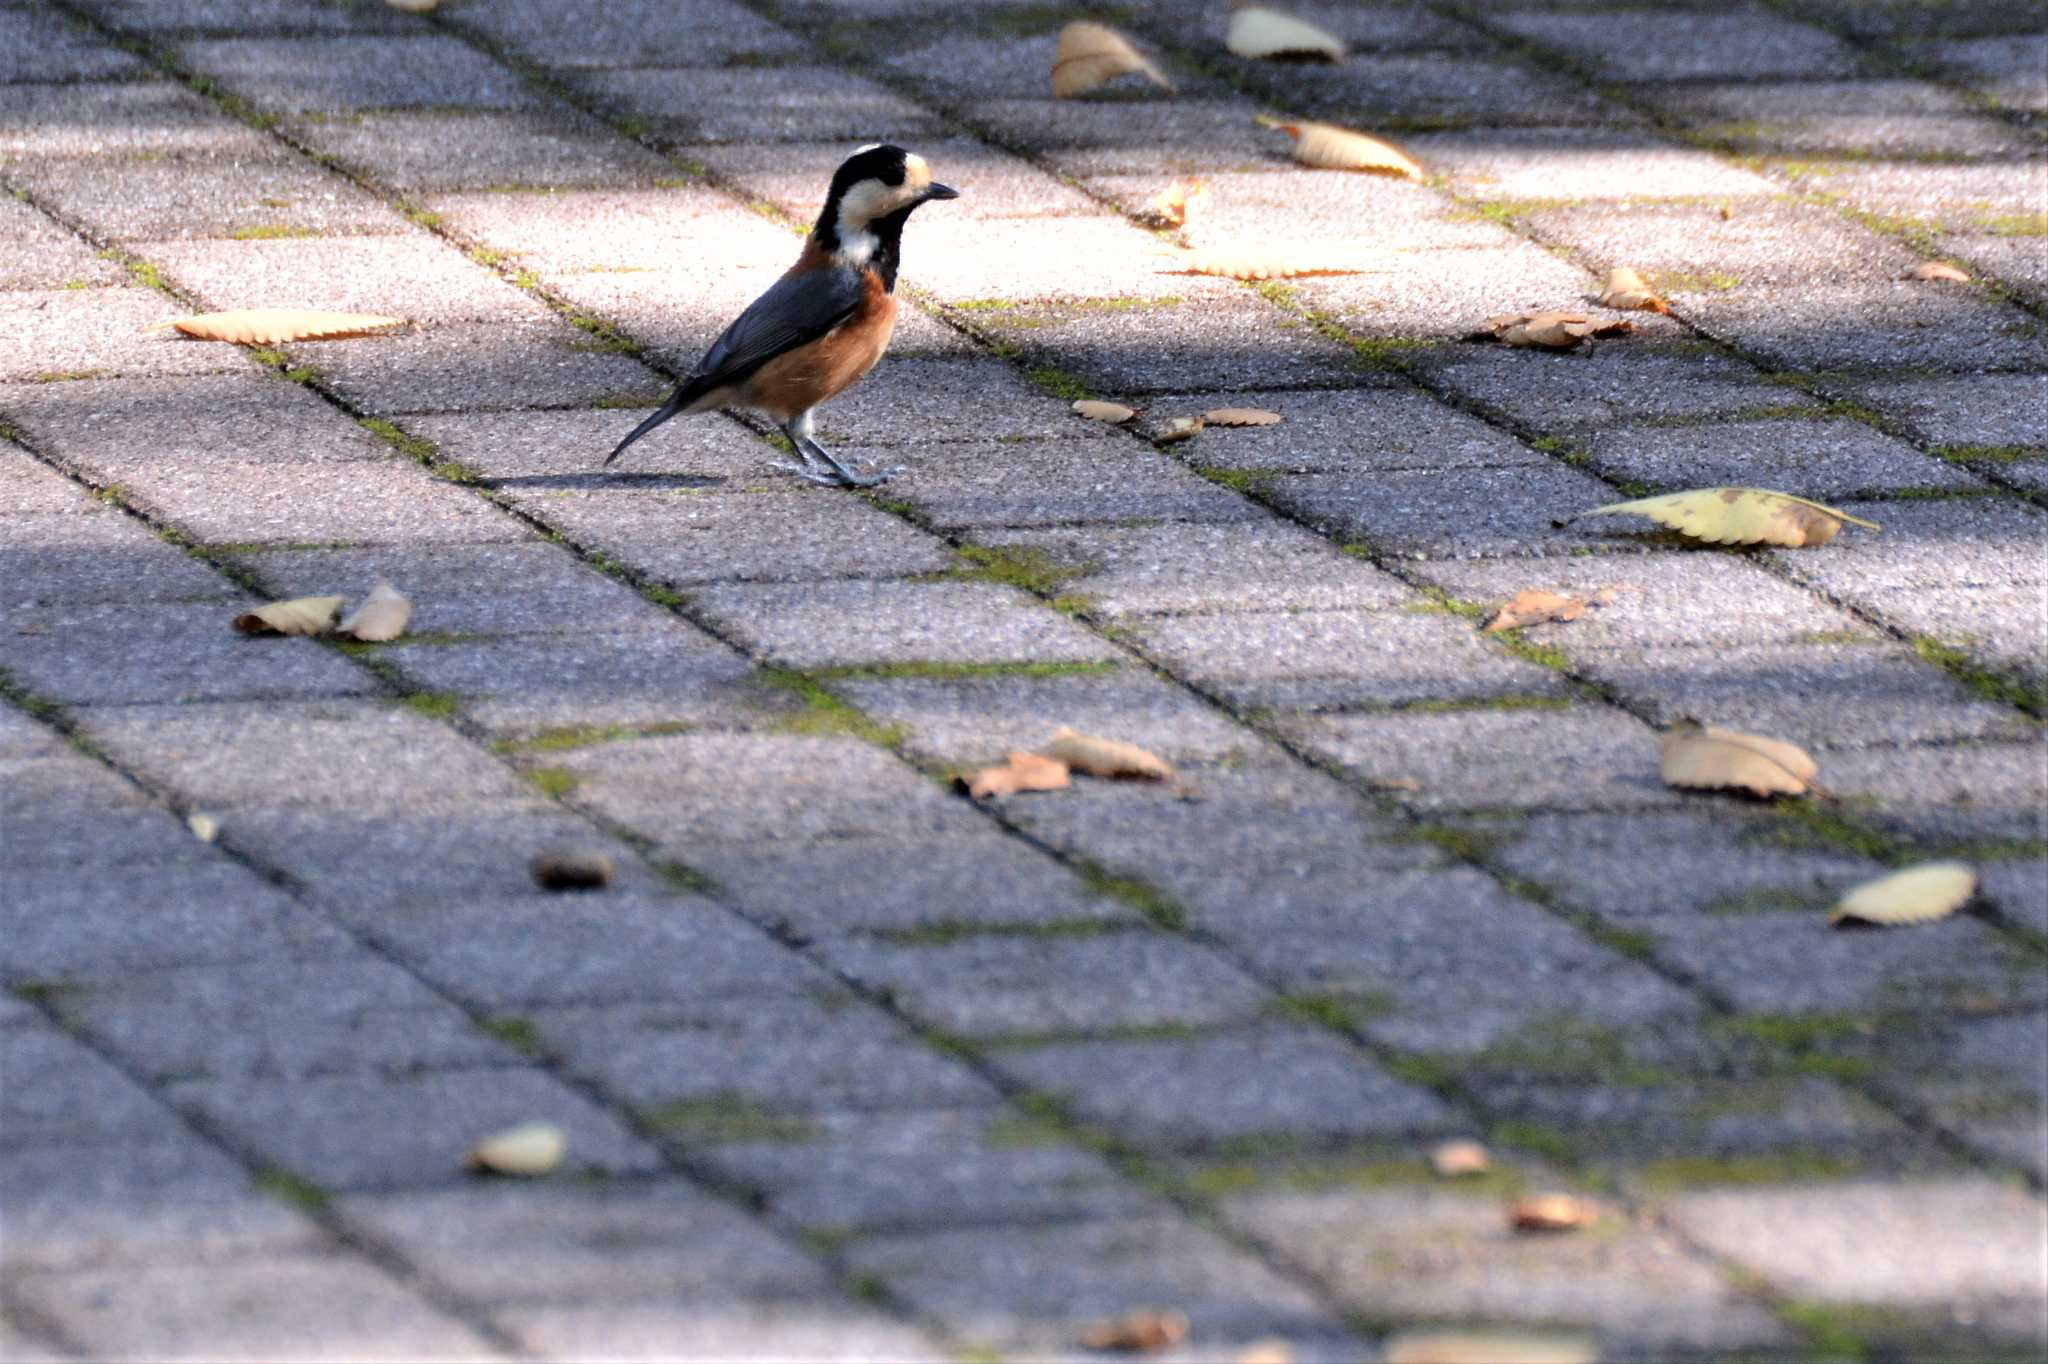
684	395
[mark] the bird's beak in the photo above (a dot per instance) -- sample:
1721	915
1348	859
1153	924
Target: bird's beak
935	190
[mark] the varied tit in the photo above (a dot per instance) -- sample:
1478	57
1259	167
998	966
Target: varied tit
826	322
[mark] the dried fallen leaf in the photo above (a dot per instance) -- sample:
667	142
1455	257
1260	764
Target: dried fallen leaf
1548	331
1106	757
1740	516
1241	416
1017	772
1707	757
1091	55
1534	606
414	6
299	616
1266	1352
1485	1347
1408	784
1626	290
204	827
268	326
1329	147
1179	204
532	1148
572	869
1256	31
1937	270
1146	1329
1179	429
1451	1159
1269	260
381	616
1552	1212
1094	411
1917	895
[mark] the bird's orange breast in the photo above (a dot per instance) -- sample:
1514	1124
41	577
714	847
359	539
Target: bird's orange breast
800	379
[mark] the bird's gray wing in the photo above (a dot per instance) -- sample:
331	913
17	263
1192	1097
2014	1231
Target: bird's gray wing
795	310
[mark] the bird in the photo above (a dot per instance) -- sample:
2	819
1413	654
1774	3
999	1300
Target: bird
823	324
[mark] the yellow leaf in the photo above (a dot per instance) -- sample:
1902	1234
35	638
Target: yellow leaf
1917	895
204	827
299	616
572	869
532	1148
1552	1212
381	616
1256	31
1329	147
1453	1159
1017	772
1179	204
1147	1329
1626	290
1113	413
1241	416
1707	757
1549	331
1533	607
1937	270
1179	429
1267	260
1106	757
1740	516
1091	55
1485	1347
268	326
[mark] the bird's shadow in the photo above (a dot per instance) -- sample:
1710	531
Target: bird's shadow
599	479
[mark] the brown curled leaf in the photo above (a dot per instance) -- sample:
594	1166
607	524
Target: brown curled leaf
1113	413
1708	757
1179	204
1937	270
1142	1331
1100	757
1456	1159
1626	290
1017	772
299	616
572	869
1533	607
1550	330
1179	429
381	617
1092	55
269	326
1327	146
1241	416
1552	1212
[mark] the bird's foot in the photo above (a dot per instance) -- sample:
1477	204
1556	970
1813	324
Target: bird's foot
809	473
840	473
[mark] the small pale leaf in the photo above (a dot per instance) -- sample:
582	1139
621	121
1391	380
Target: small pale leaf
1256	31
1179	204
1627	291
1017	772
1937	270
1179	429
1917	895
1106	757
1113	413
1266	1352
268	326
1549	331
572	869
1534	606
1552	1212
1455	1159
1091	55
1241	416
1740	516
1712	758
532	1148
414	6
1486	1347
299	616
381	616
1326	146
204	827
1141	1331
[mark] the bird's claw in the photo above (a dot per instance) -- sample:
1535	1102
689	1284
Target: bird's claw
808	473
858	474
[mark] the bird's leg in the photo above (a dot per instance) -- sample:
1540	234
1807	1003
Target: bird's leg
798	431
821	466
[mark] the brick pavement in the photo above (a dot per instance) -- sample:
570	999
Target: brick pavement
852	1068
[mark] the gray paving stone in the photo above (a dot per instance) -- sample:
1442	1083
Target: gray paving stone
1444	513
1988	1086
684	537
1261	565
592	949
144	423
1024	260
1181	1094
101	556
465	367
230	16
165	654
1686	597
1315	217
2008	68
1334	660
569	229
971	721
858	623
367	1133
1815	695
309	1306
205	196
1761	251
279	1022
1036	1289
753	104
61	1092
1582	758
1438	1253
45	46
357	755
1861	118
61	334
1825	459
246	502
929	1169
962	69
169	1199
537	453
821	1327
1904	325
2020	890
697	33
1012	984
1634	44
42	254
1967	197
346	73
677	791
913	401
1985	409
120	117
1965	542
426	150
1579	163
588	1243
1447	295
1345	431
699	1073
1953	794
1130	136
2011	260
1586	390
1432	88
963	485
